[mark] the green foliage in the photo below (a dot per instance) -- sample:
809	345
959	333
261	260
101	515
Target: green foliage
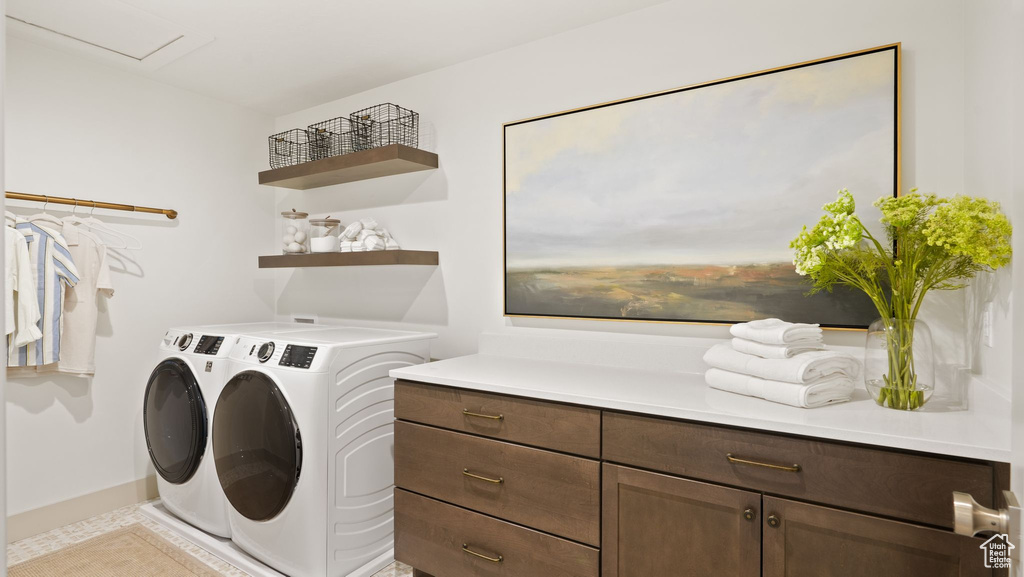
972	228
941	244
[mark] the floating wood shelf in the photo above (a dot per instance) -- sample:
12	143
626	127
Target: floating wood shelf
362	165
367	258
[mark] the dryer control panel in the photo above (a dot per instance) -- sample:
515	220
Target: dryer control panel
275	354
297	356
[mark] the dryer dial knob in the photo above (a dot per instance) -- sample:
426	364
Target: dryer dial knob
266	351
184	341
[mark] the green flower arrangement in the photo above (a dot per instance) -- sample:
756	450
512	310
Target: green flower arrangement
931	243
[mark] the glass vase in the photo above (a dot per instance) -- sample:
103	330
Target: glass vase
899	363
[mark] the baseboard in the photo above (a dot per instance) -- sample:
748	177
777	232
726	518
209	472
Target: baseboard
77	509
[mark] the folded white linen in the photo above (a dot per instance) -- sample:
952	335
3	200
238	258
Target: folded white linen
373	243
800	369
775	331
825	391
776	351
352	231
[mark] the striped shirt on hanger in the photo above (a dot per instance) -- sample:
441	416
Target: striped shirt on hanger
55	272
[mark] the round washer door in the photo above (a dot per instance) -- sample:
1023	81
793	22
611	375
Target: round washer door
174	416
256	446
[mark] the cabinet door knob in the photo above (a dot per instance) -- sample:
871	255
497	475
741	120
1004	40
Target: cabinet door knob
749	514
774	521
970	518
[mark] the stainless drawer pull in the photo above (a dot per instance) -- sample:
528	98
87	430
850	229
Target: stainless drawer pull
791	468
467	413
488	479
466	549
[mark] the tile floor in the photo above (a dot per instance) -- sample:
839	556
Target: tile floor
77	532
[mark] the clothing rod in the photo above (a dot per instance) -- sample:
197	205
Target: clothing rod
172	214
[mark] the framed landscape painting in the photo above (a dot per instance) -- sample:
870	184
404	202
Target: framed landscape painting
679	206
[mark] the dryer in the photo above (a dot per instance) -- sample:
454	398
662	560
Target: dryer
177	410
303	438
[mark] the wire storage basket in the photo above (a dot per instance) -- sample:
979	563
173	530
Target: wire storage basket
289	148
386	124
333	137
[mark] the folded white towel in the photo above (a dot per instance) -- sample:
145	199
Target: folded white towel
775	332
352	231
800	369
824	391
776	351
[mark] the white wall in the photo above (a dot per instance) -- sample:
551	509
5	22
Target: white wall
993	148
79	129
1009	21
990	34
3	377
457	210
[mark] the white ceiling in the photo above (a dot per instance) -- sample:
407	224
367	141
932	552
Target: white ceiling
280	56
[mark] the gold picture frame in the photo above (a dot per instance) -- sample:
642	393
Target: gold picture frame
893	50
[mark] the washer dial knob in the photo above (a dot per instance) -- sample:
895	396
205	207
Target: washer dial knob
184	341
266	351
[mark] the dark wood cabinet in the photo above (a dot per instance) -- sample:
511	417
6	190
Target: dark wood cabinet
660	525
805	540
508	486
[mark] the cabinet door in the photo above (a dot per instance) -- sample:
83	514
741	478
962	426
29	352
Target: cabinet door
802	540
656	525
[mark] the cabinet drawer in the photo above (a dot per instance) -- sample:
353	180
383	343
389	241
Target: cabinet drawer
440	539
912	487
548	425
549	491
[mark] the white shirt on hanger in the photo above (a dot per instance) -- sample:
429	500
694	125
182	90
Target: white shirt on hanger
81	305
21	304
53	266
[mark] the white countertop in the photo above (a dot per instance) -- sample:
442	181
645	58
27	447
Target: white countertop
981	432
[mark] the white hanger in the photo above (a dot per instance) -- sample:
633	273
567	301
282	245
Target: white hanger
96	225
45	216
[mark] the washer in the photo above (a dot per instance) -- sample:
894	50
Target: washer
303	438
177	416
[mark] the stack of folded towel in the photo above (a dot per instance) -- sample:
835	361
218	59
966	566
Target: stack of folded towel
781	362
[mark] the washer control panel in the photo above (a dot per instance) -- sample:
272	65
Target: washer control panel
297	356
209	345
